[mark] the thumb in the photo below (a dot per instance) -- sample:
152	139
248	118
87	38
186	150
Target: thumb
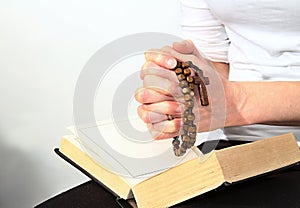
185	47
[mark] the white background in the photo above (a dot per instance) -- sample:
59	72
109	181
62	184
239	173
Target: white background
43	47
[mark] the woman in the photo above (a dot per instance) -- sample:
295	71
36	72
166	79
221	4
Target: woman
254	46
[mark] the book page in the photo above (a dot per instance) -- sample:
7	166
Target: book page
248	160
133	154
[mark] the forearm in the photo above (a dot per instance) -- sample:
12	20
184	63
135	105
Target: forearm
222	68
275	103
269	102
263	102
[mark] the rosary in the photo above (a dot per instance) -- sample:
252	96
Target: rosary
187	83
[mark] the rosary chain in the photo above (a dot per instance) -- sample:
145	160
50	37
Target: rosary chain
187	84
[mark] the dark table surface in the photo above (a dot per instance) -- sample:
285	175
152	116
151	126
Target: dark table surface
278	189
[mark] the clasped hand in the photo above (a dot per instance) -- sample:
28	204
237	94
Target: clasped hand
161	95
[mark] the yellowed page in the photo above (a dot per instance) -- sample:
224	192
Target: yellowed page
180	183
248	160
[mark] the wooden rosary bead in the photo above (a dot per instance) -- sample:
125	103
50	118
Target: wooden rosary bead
192	128
191	117
186	138
191	86
176	142
187	72
190	79
182	150
185	145
189	104
183	83
185	65
187	97
186	112
185	119
178	71
189	145
181	77
177	152
193	135
185	127
192	140
186	90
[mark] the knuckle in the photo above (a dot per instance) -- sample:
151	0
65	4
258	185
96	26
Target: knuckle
144	95
172	126
166	48
146	117
143	114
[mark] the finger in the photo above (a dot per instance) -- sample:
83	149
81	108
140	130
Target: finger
150	68
150	116
176	54
166	107
185	47
157	135
189	51
169	127
161	58
162	85
147	96
167	49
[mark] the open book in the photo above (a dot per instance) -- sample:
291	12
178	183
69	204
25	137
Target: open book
194	175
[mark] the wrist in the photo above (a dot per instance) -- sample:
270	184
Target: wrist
258	102
238	106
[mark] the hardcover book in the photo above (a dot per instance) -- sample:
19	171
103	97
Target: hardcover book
193	175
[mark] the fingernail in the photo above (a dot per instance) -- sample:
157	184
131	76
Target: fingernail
171	63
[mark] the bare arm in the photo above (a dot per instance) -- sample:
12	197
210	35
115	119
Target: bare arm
258	102
269	102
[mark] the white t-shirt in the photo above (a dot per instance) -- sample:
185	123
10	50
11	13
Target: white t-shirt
260	40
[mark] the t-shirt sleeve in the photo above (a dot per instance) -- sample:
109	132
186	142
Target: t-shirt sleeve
204	29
